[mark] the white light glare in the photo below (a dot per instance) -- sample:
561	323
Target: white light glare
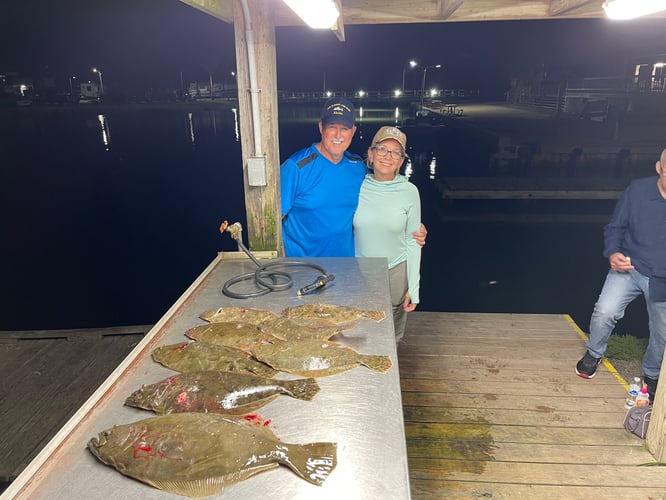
318	14
629	9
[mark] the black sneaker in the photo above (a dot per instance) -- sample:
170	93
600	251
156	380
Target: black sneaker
587	366
651	386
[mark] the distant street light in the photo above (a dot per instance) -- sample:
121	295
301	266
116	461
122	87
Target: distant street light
425	70
71	87
101	83
412	64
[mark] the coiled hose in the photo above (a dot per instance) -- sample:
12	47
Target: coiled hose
269	277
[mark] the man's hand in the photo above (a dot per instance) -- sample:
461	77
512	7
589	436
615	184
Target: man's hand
620	262
420	237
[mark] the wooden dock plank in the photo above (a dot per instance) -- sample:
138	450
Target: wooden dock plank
493	409
440	490
50	378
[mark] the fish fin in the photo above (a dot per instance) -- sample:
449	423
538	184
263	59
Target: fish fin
374	315
304	389
313	462
380	364
203	487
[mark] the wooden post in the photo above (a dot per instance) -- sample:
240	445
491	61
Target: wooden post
656	435
262	203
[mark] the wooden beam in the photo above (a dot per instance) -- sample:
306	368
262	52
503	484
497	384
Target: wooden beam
558	7
221	9
339	27
262	203
448	7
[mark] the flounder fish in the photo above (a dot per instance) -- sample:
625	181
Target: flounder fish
329	314
297	329
198	356
232	334
234	313
317	358
215	391
199	454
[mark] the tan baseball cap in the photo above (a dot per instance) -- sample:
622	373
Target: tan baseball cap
390	133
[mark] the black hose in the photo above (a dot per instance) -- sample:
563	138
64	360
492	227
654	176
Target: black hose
268	278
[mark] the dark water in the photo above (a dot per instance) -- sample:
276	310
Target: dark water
110	214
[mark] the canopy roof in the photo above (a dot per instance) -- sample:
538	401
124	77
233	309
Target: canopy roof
426	11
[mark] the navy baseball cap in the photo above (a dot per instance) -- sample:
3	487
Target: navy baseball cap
338	110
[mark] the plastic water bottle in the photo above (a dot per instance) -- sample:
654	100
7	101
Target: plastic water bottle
643	398
632	395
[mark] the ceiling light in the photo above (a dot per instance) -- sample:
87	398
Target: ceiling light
629	9
318	14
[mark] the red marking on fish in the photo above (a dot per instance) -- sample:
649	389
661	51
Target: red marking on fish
145	448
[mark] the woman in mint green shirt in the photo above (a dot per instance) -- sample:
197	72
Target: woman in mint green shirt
388	212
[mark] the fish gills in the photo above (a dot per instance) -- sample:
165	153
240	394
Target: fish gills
198	454
215	391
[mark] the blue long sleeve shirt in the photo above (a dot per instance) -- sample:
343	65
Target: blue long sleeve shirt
638	227
319	199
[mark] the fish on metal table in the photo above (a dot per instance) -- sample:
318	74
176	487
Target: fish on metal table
234	313
317	358
231	334
330	314
213	391
198	356
199	454
299	329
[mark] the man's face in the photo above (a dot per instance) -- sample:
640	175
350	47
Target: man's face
661	170
335	139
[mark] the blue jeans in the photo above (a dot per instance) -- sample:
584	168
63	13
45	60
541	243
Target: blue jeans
618	291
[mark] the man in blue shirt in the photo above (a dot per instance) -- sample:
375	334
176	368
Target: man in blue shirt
635	245
319	189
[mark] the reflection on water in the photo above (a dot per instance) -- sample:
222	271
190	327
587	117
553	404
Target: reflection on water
190	128
235	112
114	235
433	168
106	131
408	168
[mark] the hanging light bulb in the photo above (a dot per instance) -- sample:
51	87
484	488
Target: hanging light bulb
318	14
629	9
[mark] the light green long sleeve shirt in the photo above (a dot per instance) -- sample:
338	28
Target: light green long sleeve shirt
388	213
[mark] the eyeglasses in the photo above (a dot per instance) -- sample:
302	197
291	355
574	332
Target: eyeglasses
383	151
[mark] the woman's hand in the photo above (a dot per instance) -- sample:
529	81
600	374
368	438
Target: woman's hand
407	304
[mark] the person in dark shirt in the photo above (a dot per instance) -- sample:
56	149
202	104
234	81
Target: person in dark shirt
635	245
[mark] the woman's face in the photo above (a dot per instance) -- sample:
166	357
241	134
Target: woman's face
386	158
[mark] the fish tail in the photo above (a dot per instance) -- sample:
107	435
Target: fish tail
305	388
374	315
377	363
312	462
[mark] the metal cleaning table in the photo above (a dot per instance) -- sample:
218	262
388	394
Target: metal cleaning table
360	410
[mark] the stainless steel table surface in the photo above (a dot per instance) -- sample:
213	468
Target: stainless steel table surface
360	410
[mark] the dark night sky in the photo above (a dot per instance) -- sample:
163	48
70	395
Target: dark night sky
140	44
